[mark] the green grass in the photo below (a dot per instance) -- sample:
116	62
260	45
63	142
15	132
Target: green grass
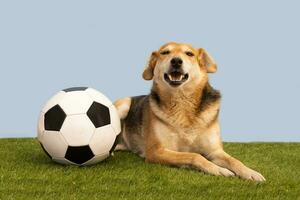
27	173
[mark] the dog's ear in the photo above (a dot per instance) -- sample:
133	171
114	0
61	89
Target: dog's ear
149	68
207	61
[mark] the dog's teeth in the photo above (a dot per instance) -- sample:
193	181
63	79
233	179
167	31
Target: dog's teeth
175	78
178	78
171	78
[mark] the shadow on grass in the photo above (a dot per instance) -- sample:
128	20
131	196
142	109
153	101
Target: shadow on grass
39	157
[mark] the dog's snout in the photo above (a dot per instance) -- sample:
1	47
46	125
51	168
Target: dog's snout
176	62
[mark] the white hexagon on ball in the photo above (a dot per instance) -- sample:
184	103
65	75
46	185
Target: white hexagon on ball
78	126
99	97
76	102
54	144
102	134
77	130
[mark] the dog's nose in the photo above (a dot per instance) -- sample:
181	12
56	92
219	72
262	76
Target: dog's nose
176	62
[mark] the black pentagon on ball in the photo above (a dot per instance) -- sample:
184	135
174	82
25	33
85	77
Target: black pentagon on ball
54	118
79	155
72	89
99	114
45	151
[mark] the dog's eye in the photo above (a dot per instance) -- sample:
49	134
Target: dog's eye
188	53
165	52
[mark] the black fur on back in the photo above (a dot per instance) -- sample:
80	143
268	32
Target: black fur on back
134	118
209	96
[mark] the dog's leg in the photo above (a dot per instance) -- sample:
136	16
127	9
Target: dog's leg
180	159
223	159
121	147
123	106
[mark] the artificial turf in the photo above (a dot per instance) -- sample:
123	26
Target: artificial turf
27	173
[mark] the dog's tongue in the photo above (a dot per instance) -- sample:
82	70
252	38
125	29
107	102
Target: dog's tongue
175	76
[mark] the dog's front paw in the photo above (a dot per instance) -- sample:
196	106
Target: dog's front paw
251	174
225	172
220	171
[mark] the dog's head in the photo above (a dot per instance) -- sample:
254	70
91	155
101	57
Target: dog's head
175	65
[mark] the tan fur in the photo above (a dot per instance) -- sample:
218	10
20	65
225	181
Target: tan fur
123	106
179	126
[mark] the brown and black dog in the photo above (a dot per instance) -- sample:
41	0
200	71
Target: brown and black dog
177	123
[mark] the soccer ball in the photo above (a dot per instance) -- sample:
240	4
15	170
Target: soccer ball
78	126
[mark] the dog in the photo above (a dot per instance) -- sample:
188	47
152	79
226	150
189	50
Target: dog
177	123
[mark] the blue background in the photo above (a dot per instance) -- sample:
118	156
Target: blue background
46	46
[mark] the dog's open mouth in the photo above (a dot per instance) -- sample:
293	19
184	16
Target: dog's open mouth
175	78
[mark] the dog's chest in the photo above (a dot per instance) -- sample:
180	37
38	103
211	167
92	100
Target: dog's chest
192	139
174	138
180	116
180	128
187	140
